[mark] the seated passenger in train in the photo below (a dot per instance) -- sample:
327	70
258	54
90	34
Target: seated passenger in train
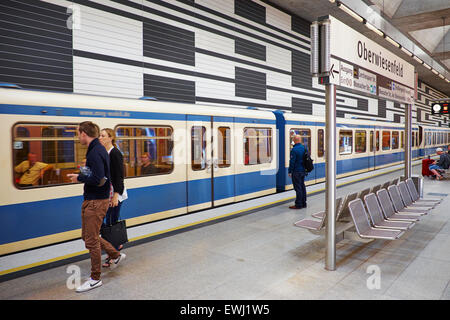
147	167
31	170
442	164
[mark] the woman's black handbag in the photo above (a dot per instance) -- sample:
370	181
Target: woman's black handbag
115	234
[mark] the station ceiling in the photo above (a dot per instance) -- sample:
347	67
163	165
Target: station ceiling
422	27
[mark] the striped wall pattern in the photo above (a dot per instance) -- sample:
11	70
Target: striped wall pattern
233	53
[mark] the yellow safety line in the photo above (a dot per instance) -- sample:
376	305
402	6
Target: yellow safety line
32	265
28	266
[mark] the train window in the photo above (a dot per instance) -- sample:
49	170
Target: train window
224	147
395	140
434	138
377	140
43	154
257	145
304	133
420	138
360	141
386	140
320	143
198	148
402	139
146	150
345	141
413	137
371	142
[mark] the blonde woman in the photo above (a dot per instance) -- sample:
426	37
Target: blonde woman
108	140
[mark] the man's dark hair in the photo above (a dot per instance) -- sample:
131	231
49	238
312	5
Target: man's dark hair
90	128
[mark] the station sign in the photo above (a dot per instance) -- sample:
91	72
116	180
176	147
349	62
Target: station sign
361	64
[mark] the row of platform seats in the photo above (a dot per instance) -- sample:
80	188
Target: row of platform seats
381	212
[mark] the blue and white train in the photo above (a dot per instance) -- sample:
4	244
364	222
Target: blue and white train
201	157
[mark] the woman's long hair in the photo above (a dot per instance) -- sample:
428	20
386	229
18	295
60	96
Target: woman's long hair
112	135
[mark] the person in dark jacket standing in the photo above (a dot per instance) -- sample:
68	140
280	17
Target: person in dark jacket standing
297	172
95	176
108	140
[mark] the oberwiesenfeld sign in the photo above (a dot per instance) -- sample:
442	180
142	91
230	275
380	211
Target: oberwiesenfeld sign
363	65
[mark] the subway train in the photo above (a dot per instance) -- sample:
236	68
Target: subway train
199	157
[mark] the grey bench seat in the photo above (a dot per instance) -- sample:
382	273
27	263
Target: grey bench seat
363	227
317	225
415	195
374	189
408	201
377	218
400	206
389	211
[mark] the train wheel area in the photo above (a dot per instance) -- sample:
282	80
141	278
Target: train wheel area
252	256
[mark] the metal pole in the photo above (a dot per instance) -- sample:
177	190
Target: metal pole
330	176
408	155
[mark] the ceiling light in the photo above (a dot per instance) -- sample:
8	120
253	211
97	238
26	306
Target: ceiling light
441	76
374	29
427	66
417	59
434	71
350	12
409	53
395	43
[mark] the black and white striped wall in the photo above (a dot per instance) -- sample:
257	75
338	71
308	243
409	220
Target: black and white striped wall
229	52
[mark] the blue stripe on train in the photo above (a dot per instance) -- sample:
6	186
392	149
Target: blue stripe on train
40	218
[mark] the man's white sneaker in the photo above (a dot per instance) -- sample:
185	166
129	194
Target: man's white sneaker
89	285
118	260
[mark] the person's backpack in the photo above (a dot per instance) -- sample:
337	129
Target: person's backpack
308	162
446	162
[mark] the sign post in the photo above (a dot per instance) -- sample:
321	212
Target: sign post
330	176
342	57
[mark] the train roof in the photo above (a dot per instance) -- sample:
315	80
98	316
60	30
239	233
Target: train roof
75	100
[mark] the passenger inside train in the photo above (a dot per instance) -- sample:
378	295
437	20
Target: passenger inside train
31	170
147	167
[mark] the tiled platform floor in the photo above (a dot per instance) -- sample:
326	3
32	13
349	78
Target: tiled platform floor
263	256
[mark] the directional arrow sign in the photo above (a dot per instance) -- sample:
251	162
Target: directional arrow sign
332	71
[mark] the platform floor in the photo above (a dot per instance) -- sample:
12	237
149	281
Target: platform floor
261	255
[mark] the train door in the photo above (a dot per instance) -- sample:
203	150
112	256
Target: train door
371	151
223	168
210	172
199	156
306	133
377	148
421	143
